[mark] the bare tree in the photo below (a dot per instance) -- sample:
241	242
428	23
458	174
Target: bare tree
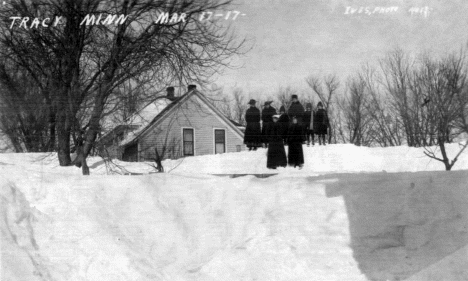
386	129
354	105
400	83
85	63
326	88
283	96
222	101
24	115
445	84
233	104
240	106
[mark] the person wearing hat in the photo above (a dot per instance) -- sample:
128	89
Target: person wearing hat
295	139
309	124
284	123
253	133
321	123
276	155
267	119
296	109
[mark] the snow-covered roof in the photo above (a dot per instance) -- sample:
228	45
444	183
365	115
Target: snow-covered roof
149	112
143	117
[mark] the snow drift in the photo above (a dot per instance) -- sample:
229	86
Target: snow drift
189	225
402	223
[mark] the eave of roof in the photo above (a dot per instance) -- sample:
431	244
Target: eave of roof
155	119
119	128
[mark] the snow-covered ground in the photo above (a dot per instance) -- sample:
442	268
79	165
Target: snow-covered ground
352	213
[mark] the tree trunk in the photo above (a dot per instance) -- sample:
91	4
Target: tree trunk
80	160
85	168
445	159
159	166
63	134
52	138
94	128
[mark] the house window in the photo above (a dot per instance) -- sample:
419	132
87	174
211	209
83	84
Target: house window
188	138
238	148
220	141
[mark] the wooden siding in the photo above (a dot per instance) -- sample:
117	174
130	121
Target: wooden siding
167	135
110	149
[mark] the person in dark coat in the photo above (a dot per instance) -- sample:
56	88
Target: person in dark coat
295	138
267	119
253	133
321	123
276	155
296	109
309	124
284	122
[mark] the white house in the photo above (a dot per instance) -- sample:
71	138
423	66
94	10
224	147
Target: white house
177	127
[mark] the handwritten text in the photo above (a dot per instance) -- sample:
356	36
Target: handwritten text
90	19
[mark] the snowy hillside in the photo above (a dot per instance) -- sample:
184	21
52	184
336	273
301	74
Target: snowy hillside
328	221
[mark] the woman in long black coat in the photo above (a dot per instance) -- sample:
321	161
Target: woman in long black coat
284	123
276	155
321	123
267	119
253	133
295	139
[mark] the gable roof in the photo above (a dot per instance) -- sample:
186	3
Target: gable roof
140	119
149	115
170	108
121	128
149	112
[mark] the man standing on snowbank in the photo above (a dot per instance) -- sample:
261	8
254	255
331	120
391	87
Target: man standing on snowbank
253	133
296	109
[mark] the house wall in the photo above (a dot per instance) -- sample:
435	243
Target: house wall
110	146
110	149
167	136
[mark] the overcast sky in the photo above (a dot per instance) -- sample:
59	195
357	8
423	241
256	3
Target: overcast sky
294	38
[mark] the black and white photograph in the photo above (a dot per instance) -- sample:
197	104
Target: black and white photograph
234	140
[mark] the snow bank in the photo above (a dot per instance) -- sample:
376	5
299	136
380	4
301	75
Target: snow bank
189	225
403	223
164	227
340	158
337	158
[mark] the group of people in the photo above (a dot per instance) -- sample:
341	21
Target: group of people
292	128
